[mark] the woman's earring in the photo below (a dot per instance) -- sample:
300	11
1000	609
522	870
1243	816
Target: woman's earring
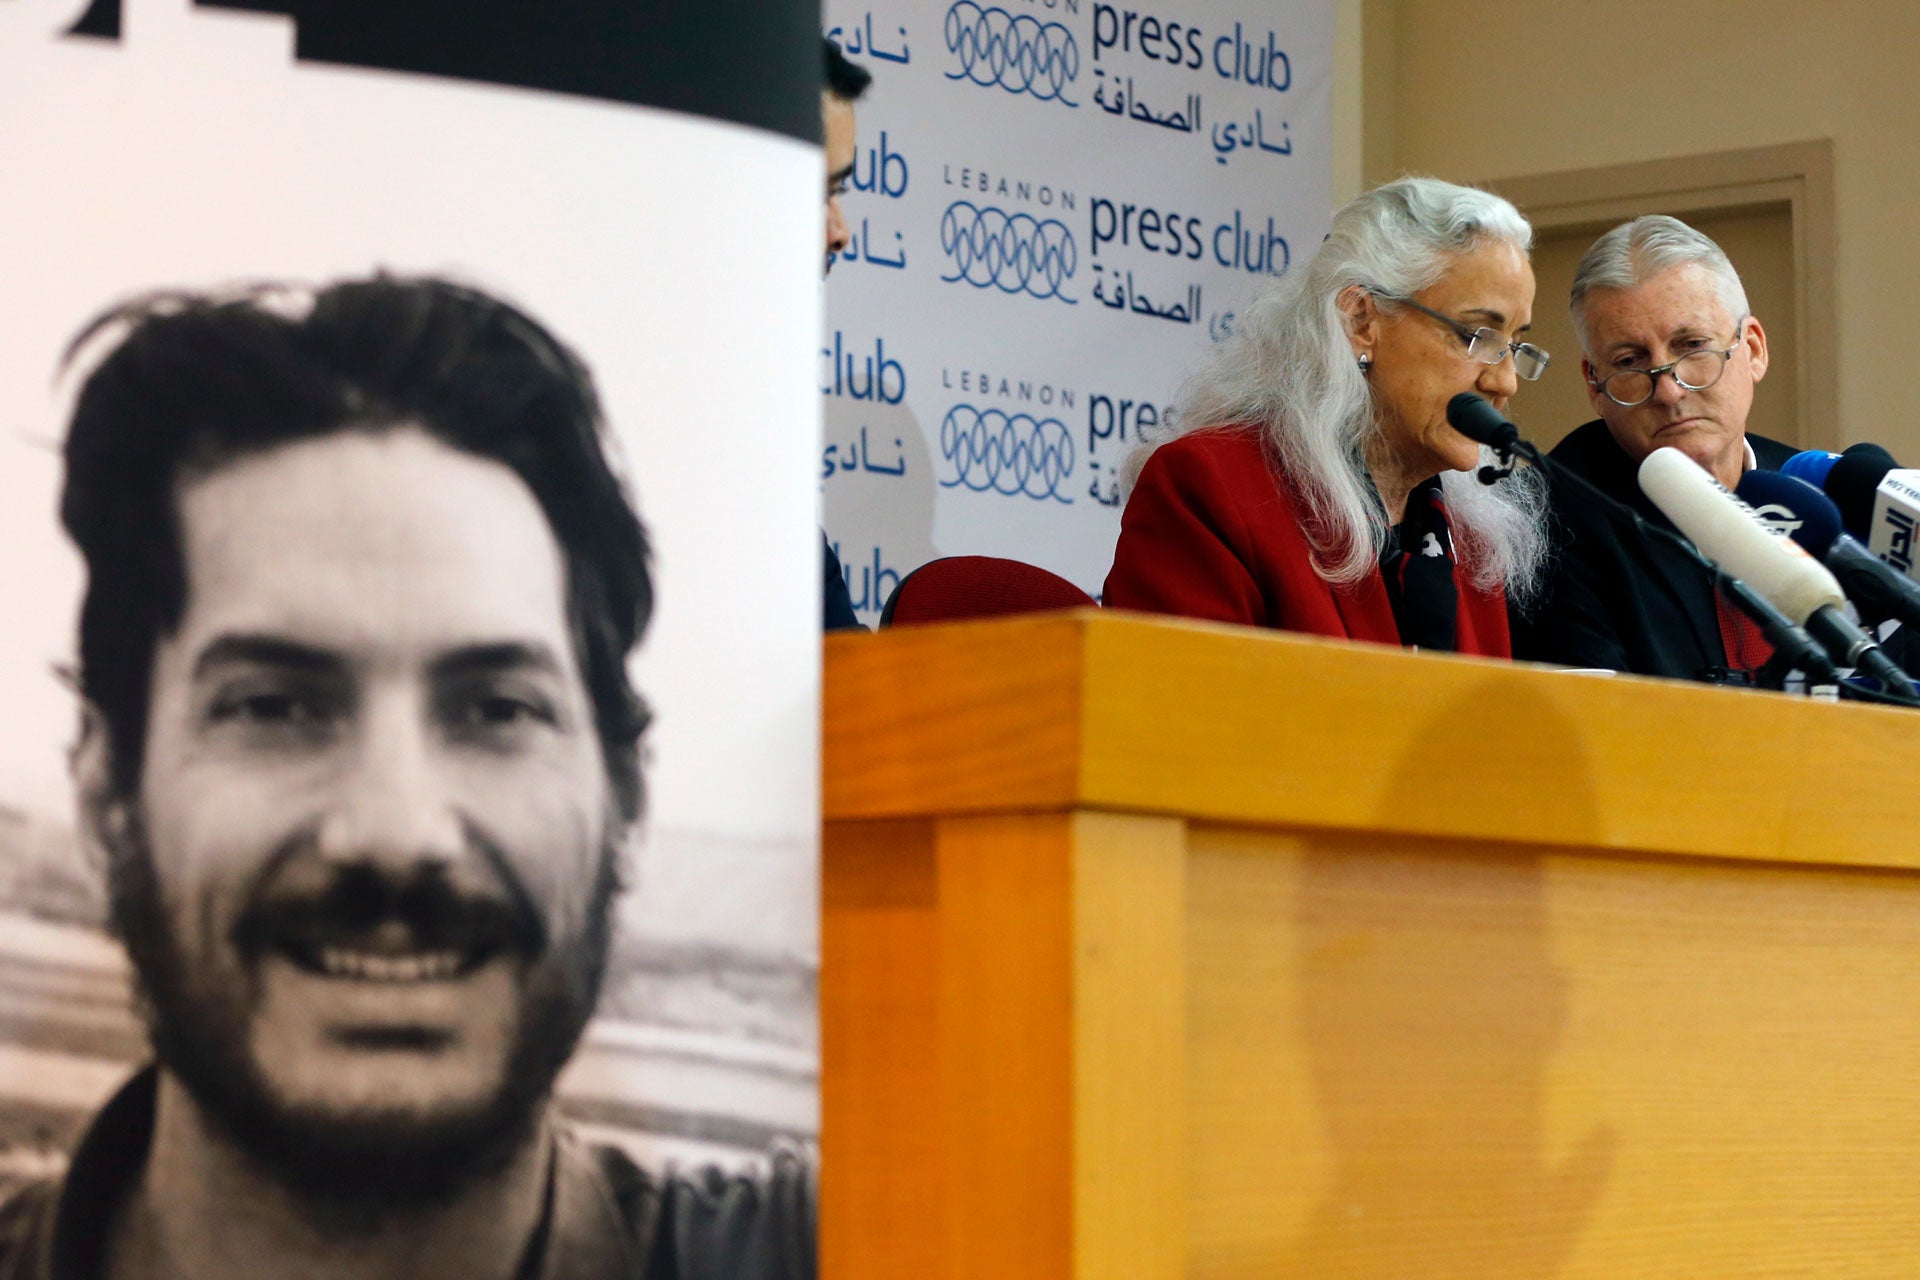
1366	365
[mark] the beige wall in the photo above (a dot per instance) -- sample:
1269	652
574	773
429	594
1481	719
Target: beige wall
1523	88
1349	98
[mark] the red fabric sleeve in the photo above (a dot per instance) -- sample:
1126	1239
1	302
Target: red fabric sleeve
1210	532
1184	543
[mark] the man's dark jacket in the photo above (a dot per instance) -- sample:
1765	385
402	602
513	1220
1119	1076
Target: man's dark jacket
836	602
1615	598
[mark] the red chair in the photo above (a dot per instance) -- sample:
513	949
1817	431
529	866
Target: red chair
957	587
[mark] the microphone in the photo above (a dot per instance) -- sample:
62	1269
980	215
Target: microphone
1853	482
1810	465
1728	531
1896	512
1476	419
1811	519
1792	508
1879	503
1479	421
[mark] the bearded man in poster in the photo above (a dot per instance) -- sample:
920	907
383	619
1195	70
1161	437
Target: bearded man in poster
359	754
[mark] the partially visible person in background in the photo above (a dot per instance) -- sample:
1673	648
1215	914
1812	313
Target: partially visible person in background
1313	483
1671	356
360	755
845	83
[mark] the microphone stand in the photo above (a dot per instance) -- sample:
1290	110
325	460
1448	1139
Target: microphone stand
1474	417
1793	648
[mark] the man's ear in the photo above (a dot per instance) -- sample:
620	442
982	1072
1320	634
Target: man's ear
104	814
1362	318
1594	393
1755	339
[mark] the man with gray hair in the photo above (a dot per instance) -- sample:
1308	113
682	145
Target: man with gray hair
1670	354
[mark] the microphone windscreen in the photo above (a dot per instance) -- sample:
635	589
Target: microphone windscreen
1728	532
1476	419
1853	482
1868	449
1792	507
1810	465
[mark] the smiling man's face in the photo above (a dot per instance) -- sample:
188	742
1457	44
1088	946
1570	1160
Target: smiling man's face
368	872
1678	311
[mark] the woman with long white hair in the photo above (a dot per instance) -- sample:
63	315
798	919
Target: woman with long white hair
1313	483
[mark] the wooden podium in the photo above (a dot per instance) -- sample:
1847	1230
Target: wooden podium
1155	949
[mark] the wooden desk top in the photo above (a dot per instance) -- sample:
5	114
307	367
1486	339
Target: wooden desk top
1098	710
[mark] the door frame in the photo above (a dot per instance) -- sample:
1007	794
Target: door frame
1795	176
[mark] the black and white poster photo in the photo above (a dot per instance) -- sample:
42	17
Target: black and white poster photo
409	642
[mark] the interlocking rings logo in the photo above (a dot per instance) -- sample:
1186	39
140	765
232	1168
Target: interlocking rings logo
1011	252
1020	54
1015	454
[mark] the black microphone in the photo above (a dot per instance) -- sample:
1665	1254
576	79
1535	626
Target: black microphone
1477	419
1794	649
1814	522
1854	482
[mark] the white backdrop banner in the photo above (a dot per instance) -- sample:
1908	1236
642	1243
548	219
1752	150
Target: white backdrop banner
1056	205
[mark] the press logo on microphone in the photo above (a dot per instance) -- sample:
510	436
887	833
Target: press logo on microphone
1782	530
1895	508
1783	520
1778	520
1899	542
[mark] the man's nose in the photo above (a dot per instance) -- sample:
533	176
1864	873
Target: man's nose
1667	389
391	804
837	234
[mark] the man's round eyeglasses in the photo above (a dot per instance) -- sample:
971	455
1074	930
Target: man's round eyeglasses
1488	346
1696	371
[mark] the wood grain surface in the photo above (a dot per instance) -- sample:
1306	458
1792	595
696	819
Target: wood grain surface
1227	955
1124	712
